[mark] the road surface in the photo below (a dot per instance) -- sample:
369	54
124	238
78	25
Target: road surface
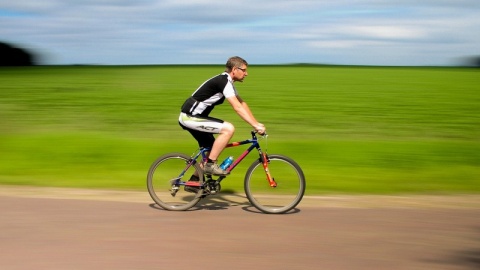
85	229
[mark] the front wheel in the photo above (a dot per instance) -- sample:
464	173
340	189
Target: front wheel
290	185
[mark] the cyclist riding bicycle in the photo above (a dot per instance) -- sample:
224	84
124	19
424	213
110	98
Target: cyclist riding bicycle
194	116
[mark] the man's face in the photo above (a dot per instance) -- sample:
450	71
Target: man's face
239	73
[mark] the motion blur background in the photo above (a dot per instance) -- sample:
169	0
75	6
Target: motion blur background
368	96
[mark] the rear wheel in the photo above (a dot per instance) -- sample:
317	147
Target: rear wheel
290	185
166	182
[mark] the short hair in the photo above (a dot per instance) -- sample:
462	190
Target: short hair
234	61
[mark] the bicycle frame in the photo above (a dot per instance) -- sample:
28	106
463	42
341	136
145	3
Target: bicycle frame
254	145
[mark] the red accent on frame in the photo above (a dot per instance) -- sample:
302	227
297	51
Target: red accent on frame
192	183
233	144
240	158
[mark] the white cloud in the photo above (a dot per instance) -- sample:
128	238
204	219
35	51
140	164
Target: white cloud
387	32
203	31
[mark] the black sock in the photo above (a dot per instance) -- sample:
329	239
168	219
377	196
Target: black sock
210	161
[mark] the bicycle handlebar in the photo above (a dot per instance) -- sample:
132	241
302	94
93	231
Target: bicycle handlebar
255	132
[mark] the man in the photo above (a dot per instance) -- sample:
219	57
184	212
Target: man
194	115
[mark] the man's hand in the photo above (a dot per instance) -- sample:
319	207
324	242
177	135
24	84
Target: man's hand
260	128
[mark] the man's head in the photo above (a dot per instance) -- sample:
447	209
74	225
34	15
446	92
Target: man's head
237	68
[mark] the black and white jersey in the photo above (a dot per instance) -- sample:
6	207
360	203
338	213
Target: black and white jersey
211	93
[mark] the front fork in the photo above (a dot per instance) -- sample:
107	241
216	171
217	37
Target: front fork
265	160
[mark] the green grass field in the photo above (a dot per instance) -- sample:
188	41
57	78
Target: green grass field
375	130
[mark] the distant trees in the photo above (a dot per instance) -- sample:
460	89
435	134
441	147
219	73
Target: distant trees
13	56
469	61
475	61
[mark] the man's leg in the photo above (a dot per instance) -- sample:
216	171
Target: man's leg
203	128
226	133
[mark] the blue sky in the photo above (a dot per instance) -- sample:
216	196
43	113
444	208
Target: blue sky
352	32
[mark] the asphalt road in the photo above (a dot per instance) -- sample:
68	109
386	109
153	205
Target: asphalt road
82	232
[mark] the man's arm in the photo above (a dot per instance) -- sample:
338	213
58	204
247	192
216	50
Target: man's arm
242	109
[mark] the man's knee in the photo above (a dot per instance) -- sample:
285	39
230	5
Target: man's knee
228	128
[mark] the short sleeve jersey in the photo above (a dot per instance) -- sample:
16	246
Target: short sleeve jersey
211	93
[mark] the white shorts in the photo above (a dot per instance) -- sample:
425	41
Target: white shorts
201	123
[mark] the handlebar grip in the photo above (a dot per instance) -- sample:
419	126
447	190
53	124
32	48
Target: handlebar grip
255	132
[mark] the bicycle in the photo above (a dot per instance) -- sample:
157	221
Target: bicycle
269	194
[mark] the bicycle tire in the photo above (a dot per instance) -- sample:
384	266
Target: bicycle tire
166	169
275	200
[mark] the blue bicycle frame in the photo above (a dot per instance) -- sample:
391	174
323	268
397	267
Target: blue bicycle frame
254	144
